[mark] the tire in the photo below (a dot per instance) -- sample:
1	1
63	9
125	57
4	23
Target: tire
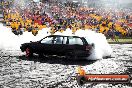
81	80
29	52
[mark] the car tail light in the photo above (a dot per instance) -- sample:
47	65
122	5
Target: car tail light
88	47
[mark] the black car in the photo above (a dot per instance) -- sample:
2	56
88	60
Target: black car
69	46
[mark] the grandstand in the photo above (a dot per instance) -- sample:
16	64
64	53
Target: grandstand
60	15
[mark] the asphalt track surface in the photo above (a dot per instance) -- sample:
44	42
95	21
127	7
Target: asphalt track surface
17	71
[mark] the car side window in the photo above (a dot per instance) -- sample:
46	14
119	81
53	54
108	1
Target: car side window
65	40
47	40
73	40
58	40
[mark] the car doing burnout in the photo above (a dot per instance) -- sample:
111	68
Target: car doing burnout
68	46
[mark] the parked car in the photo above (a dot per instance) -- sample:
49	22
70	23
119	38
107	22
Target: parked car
68	46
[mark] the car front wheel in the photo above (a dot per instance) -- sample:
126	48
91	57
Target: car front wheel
29	52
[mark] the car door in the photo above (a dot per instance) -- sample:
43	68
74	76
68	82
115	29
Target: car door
46	45
74	44
58	46
65	46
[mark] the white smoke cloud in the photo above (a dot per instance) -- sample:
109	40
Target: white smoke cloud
102	48
10	41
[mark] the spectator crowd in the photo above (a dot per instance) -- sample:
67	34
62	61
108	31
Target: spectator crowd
36	16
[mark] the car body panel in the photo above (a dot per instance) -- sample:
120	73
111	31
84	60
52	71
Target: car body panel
66	44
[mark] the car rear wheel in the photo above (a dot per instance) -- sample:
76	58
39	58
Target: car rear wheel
29	52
